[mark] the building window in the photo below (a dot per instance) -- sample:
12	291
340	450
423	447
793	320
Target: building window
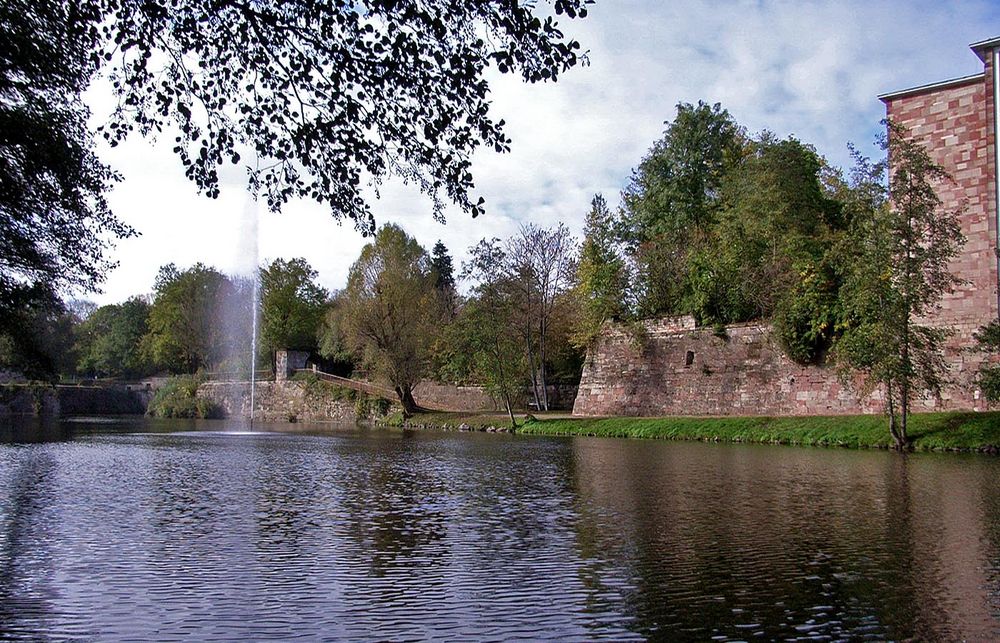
689	358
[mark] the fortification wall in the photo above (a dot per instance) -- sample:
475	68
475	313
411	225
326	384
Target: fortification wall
107	400
674	369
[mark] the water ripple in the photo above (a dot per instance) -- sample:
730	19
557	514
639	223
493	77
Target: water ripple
142	533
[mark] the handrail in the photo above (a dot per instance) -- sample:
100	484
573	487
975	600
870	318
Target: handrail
365	387
357	385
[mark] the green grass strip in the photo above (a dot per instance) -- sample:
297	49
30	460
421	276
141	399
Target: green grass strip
930	431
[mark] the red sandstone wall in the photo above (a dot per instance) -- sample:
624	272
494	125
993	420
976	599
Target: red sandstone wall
475	398
454	398
748	374
955	124
745	373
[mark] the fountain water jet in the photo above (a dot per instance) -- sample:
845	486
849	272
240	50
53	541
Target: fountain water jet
255	297
247	266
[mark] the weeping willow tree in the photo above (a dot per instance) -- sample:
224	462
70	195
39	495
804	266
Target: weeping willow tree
390	309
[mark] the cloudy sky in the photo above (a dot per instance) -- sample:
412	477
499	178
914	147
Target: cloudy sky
804	68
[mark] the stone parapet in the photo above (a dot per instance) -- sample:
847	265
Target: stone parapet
284	401
744	372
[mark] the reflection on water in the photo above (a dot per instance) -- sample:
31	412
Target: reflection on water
173	530
733	541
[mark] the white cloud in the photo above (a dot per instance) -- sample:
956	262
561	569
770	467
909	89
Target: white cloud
809	69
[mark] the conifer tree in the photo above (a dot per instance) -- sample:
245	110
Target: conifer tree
602	280
444	279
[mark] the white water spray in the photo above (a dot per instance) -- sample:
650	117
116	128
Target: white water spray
248	265
253	341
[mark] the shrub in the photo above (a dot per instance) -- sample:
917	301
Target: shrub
178	398
365	406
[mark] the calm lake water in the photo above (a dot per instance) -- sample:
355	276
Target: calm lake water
159	531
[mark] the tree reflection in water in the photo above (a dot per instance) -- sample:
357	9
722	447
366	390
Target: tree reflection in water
159	531
735	540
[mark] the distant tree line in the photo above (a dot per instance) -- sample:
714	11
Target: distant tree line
401	318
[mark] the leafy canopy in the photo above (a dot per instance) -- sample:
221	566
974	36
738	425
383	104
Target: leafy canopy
988	339
328	96
110	339
184	330
292	305
387	311
54	220
674	191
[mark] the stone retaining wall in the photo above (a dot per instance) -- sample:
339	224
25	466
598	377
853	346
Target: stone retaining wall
455	397
41	399
676	370
116	400
283	401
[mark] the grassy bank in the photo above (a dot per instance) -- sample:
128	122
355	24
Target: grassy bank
476	420
930	431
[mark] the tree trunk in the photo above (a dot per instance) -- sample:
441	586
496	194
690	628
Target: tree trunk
510	409
405	394
541	367
504	391
543	385
903	441
531	369
891	408
904	395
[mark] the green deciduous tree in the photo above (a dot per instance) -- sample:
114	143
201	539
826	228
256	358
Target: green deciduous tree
772	254
484	338
674	191
988	339
54	219
292	306
388	310
899	274
36	339
672	201
109	341
332	345
185	333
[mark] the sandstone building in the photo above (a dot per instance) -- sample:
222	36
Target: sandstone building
956	120
681	370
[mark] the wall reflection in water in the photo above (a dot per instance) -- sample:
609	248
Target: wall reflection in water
734	541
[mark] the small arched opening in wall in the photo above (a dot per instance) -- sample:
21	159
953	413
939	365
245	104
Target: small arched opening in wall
689	358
